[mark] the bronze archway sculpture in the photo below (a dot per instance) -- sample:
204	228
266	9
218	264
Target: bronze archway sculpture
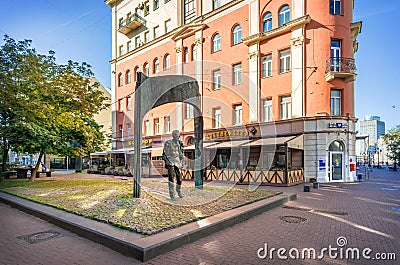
152	92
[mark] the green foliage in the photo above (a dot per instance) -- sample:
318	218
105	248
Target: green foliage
46	107
392	140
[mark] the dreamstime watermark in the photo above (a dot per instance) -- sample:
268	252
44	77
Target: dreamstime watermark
341	251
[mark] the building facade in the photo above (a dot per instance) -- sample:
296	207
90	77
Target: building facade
276	80
372	128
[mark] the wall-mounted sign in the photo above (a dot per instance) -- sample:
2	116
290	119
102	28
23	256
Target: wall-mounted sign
338	125
227	134
321	164
144	141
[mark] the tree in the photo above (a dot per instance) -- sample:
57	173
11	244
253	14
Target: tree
392	140
46	107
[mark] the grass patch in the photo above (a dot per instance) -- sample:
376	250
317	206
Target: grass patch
111	201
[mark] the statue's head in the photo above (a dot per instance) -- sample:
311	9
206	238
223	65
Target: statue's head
175	134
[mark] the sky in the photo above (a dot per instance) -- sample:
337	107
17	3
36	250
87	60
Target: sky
80	30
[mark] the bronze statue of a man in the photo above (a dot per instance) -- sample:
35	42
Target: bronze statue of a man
173	156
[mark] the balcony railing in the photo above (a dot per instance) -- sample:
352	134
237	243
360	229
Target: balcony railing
339	67
131	23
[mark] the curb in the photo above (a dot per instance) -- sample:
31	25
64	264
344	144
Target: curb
135	245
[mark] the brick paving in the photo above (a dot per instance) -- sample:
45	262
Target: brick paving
366	214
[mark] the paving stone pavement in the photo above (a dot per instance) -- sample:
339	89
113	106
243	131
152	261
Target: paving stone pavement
363	214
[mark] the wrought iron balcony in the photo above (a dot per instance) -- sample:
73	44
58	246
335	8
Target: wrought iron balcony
339	67
131	23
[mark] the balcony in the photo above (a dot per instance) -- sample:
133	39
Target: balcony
343	68
131	23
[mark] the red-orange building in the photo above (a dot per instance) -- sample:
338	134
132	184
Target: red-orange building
276	79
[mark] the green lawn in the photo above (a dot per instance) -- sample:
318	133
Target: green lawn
111	201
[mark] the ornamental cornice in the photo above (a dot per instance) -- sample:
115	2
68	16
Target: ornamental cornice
285	28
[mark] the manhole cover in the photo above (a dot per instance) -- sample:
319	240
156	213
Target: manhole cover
41	236
292	219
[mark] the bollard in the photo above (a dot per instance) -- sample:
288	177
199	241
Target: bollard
316	185
306	188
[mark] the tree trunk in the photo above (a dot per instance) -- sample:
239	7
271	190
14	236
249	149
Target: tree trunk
33	172
5	155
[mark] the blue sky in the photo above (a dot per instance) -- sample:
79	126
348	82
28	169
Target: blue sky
80	30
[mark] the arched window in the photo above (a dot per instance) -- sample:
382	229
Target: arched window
167	62
336	146
216	43
135	71
185	55
284	15
237	35
156	66
267	22
120	79
146	69
128	76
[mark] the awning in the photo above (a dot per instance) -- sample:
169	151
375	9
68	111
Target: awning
295	142
118	151
98	154
230	144
191	147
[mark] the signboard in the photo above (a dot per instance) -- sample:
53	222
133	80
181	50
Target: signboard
338	125
227	134
322	164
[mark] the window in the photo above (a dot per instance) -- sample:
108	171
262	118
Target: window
135	71
120	79
146	128
189	10
284	61
120	105
336	99
217	79
335	7
167	124
217	118
156	66
216	43
216	4
146	8
267	110
156	4
121	22
286	108
138	42
128	76
284	15
335	55
121	50
185	55
146	68
267	22
147	37
266	66
156	32
237	35
237	74
193	52
128	130
189	111
121	134
168	26
129	46
157	126
167	62
128	103
237	118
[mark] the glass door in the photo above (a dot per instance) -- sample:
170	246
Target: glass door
336	164
335	55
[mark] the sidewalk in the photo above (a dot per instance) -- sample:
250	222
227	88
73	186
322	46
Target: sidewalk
366	214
